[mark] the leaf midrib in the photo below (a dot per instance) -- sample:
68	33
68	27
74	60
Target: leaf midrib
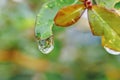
104	22
78	10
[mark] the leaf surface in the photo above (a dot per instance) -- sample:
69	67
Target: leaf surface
105	23
107	3
44	21
69	15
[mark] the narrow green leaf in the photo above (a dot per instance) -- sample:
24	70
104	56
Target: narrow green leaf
106	23
44	21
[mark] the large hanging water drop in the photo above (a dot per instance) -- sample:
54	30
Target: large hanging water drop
46	45
112	51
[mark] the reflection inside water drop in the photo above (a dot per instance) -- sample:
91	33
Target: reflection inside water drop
46	45
111	51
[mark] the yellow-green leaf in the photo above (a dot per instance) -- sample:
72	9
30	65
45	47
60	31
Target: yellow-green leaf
107	3
106	23
111	39
69	15
96	23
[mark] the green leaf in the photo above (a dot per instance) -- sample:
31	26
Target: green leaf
96	23
44	21
106	23
117	5
107	3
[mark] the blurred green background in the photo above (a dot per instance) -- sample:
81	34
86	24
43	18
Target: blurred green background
78	55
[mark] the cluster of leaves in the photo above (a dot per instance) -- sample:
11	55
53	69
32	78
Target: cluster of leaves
45	23
99	18
17	36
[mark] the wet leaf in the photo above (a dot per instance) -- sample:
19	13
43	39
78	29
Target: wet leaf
96	22
44	21
107	3
69	15
107	24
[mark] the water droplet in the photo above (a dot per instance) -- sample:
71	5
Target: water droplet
112	51
46	45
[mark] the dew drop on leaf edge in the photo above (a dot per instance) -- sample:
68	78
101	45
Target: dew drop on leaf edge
46	45
110	51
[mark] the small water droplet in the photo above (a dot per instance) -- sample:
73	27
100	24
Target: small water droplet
112	51
46	45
